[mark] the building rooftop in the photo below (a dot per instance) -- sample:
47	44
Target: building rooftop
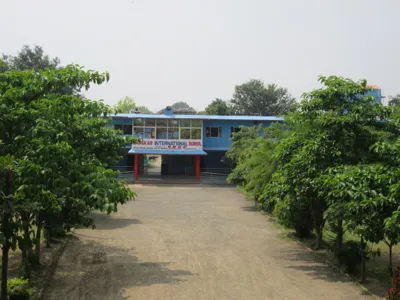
198	117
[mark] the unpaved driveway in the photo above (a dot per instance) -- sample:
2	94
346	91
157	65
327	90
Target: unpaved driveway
191	243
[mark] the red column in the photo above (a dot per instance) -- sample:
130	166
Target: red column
136	167
197	168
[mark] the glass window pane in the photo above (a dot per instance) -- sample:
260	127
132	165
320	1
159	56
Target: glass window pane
185	134
184	123
127	129
138	122
138	132
214	131
173	123
117	126
196	123
150	133
162	133
150	122
196	133
162	123
173	133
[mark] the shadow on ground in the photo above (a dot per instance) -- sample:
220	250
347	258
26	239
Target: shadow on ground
250	208
313	264
90	270
108	222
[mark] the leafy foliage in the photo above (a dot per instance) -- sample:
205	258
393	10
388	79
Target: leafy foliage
337	162
59	149
254	98
218	107
394	100
29	59
128	104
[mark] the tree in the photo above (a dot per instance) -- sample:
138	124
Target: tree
128	104
394	100
30	59
253	157
33	58
183	108
254	98
54	158
218	107
332	126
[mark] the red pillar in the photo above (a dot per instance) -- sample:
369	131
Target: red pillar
197	168
136	167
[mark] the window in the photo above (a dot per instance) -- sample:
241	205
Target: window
234	130
138	122
185	134
195	133
162	133
150	122
173	133
214	132
164	129
126	129
149	133
138	132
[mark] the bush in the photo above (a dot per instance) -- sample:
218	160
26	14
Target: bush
294	214
19	289
394	291
349	256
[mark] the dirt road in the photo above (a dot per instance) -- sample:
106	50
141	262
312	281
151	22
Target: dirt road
191	243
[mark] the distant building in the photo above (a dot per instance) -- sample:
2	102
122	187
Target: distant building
187	143
376	93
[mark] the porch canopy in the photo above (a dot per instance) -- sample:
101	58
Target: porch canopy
167	152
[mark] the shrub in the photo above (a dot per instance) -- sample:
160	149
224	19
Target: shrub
349	256
293	214
19	289
394	291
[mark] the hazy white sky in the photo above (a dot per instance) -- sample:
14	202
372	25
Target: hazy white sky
163	51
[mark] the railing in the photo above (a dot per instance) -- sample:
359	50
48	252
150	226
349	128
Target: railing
213	172
125	172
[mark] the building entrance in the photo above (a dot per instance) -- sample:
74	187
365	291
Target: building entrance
152	167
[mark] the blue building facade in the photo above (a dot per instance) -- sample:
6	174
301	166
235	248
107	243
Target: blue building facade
186	143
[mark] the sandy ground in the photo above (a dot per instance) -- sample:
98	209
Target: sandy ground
194	243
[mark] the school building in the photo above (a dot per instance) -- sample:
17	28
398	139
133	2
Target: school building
185	145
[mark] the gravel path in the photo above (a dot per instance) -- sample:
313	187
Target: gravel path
191	243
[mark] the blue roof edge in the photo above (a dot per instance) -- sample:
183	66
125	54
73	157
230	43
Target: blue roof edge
198	117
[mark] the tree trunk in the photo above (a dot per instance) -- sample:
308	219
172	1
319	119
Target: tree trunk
339	234
26	250
48	235
7	235
390	259
363	261
319	222
36	257
318	239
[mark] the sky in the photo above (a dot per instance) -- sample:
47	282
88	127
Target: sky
163	51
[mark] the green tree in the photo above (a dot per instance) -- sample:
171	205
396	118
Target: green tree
128	104
57	148
218	107
362	195
255	98
333	126
253	156
29	58
394	100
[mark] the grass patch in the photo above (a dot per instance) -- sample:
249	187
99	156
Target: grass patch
378	277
